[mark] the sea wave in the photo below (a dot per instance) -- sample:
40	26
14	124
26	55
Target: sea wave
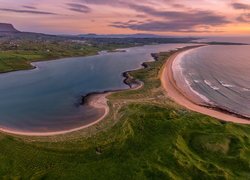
204	98
197	81
226	85
178	71
216	77
246	89
207	82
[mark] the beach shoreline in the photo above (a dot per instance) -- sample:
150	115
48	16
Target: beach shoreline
174	92
97	100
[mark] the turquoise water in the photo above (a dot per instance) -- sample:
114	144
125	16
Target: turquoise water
47	98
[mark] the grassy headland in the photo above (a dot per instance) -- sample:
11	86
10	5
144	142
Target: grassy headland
145	136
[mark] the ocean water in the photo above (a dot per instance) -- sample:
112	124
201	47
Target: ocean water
217	76
240	39
47	98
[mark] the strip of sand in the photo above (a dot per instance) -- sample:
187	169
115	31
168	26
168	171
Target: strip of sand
96	101
169	84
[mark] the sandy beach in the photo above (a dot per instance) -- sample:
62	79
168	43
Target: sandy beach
95	100
173	91
98	101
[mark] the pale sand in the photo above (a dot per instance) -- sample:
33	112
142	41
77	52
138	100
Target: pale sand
175	94
100	101
97	101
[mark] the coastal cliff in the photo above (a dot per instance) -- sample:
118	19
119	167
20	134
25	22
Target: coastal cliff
7	28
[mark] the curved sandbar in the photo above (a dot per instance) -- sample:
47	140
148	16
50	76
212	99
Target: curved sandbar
173	91
98	101
95	100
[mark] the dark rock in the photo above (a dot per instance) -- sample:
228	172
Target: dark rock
7	28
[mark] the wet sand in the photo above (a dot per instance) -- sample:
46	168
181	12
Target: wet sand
173	91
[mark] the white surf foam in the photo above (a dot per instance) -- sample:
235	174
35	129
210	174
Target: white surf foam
246	89
207	82
197	81
178	71
226	85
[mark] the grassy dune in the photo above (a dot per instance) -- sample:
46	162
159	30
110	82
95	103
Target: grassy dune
146	136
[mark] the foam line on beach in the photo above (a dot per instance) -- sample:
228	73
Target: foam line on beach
174	92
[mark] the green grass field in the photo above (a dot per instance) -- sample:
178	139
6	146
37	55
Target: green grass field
19	50
13	60
145	136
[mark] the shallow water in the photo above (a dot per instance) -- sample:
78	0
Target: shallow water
218	75
47	98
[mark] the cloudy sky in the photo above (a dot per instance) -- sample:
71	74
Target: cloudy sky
170	17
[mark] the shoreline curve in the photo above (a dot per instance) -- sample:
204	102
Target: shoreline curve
97	100
173	91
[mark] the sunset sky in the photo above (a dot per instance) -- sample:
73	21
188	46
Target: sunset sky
168	17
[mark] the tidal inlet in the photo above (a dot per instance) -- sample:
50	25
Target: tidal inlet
124	89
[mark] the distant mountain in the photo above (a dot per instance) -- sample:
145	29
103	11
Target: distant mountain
120	36
7	28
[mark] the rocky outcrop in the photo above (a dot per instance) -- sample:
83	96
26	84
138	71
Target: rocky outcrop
7	28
